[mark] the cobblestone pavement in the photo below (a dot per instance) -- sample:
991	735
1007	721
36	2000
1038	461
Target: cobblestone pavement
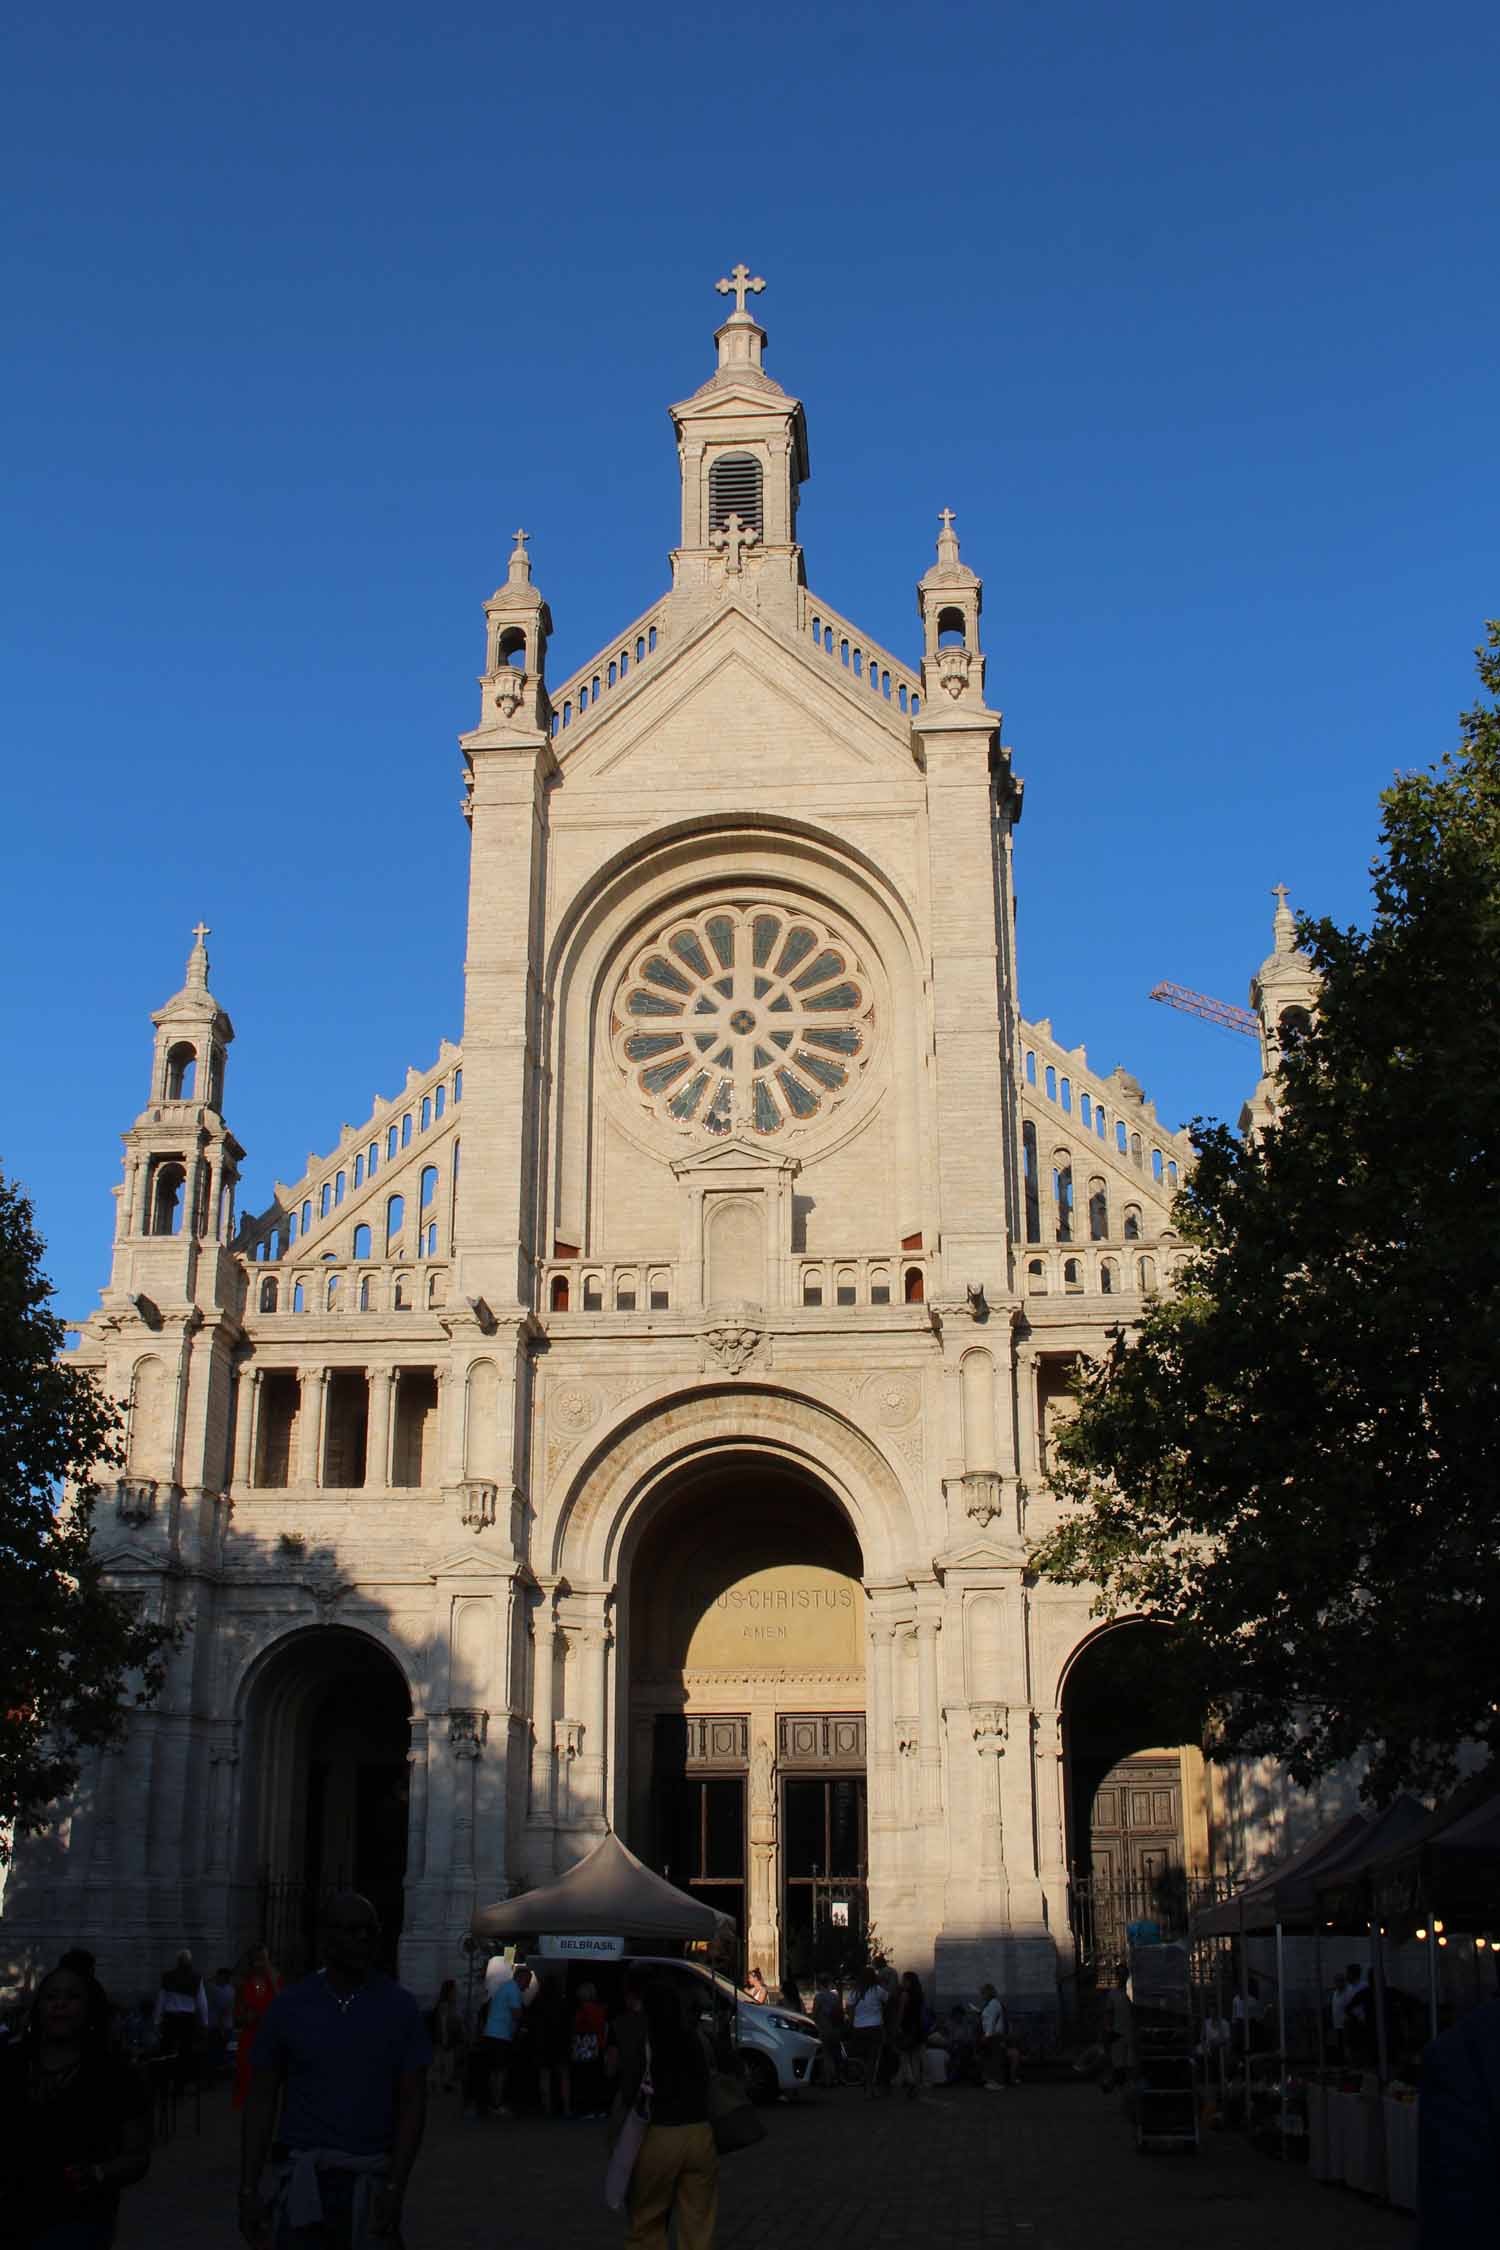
1045	2167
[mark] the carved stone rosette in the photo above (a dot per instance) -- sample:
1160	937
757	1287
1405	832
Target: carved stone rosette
734	1343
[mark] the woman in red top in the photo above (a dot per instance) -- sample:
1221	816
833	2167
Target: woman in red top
590	2024
257	1989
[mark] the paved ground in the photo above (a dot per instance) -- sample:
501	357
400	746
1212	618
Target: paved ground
1037	2168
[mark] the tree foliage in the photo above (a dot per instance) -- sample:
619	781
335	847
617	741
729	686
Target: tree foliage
1295	1459
72	1653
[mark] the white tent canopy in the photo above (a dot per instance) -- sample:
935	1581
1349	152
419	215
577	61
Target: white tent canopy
608	1893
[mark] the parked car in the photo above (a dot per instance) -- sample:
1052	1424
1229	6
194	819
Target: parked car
776	2046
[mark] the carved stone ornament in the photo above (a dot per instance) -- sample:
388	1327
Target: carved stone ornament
988	1721
953	671
479	1503
327	1593
567	1737
468	1726
982	1496
734	1343
135	1499
510	686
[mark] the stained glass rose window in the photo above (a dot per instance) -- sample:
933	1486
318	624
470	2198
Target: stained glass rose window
748	1018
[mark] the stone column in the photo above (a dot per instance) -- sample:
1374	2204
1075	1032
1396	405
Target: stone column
988	1722
880	1748
1051	1814
247	1411
543	1709
592	1769
929	1723
416	1803
762	1919
215	1176
378	1440
1028	1455
464	1742
314	1386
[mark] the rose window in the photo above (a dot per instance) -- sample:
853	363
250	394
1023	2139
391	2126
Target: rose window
747	1018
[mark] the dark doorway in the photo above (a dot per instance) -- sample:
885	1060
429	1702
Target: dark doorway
328	1785
699	1813
824	1874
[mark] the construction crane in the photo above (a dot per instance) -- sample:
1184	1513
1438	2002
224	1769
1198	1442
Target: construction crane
1222	1012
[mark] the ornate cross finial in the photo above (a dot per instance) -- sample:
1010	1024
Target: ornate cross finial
740	282
945	518
521	538
201	930
1279	893
731	538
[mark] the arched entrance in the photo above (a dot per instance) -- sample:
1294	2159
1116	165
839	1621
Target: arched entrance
743	1641
325	1789
1137	1811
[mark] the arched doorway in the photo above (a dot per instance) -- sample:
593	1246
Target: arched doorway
1137	1808
743	1643
325	1789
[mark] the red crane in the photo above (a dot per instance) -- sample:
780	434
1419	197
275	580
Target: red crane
1222	1012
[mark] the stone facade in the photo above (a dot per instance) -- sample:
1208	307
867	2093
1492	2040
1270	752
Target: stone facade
716	1392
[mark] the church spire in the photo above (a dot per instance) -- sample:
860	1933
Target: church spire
949	599
741	340
518	625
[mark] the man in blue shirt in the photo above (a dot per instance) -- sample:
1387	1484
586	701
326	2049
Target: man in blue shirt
489	2062
345	2054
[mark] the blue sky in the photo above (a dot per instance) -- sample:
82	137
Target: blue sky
1187	311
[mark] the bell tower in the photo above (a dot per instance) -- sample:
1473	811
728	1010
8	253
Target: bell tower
742	454
1284	995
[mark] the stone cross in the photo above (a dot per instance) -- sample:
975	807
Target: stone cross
945	518
1279	893
201	930
740	281
731	538
522	537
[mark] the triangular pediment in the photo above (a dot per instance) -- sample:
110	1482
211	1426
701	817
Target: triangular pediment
983	1553
734	1155
472	1562
739	702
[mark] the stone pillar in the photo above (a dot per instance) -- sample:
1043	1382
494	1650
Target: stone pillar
378	1441
762	1919
247	1411
929	1725
416	1803
543	1710
591	1775
464	1743
988	1722
1028	1456
215	1177
314	1384
1051	1814
880	1747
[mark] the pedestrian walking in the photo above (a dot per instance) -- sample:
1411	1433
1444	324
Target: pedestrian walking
181	2015
906	2032
586	2054
676	2172
257	1988
74	2121
343	2054
447	2028
867	2027
1000	2057
488	2071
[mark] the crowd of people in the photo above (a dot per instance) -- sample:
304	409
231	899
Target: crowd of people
331	2075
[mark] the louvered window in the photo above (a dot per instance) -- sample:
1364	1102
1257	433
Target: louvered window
734	490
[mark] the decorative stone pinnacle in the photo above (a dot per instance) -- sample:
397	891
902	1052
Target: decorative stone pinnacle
947	545
740	283
520	561
731	538
197	962
1285	922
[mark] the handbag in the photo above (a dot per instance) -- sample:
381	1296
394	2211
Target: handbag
731	2115
627	2146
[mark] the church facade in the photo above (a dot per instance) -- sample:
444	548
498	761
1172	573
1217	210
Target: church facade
643	1416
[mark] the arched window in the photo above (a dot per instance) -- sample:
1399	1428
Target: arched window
1122	1138
361	1242
406	1130
359	1170
812	1285
168	1180
1086	1111
427	1246
291	1228
1099	1121
402	1302
625	1292
458	1085
1098	1211
1072	1278
299	1299
1051	1083
734	489
1107	1277
593	1293
1030	1068
307	1216
426	1111
1157	1166
392	1142
268	1294
559	1292
1135	1149
395	1219
844	1286
510	649
1171	1173
372	1159
1132	1222
1036	1278
950	628
325	1199
1031	1183
1145	1273
1062	1195
182	1070
439	1101
331	1293
339	1185
880	1285
1295	1024
429	1184
913	1289
660	1292
1066	1092
364	1292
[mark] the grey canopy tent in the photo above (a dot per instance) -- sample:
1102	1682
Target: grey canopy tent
608	1893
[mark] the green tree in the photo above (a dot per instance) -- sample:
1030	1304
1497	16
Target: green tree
72	1653
1294	1460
